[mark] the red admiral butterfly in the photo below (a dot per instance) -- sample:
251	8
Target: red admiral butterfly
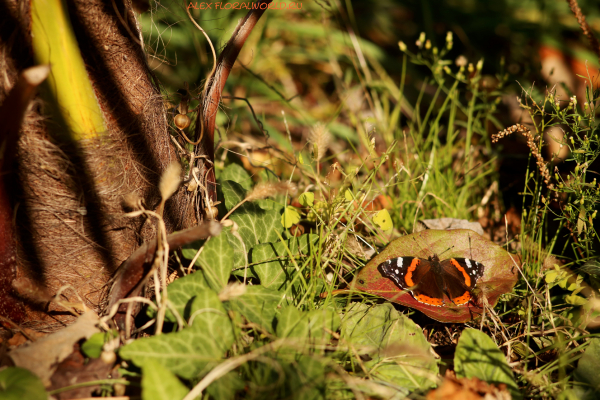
432	281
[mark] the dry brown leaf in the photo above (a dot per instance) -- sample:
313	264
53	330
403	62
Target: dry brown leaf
42	356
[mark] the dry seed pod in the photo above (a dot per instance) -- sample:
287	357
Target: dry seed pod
108	357
182	121
214	210
192	186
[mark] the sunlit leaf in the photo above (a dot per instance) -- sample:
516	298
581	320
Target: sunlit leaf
188	353
258	305
19	383
93	346
181	292
158	383
478	356
586	374
500	272
307	199
235	173
290	217
216	260
395	345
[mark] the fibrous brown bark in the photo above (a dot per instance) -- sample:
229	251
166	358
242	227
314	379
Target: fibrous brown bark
67	201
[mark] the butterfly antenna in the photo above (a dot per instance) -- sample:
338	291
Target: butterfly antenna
470	248
418	244
449	248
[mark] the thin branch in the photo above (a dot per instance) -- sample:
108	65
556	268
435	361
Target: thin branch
205	129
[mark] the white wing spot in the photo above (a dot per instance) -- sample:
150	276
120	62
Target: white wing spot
399	262
397	272
468	263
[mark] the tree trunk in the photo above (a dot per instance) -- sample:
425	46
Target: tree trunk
67	196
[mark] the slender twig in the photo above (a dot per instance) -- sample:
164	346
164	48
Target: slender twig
211	98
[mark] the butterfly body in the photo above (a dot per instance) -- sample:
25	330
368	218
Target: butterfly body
434	282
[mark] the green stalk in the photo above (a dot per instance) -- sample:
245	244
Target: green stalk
68	87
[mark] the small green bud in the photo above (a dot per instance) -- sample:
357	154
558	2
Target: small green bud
402	46
421	40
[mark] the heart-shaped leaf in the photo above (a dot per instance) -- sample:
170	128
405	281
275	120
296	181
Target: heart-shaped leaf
236	173
478	356
315	324
258	305
225	387
181	292
188	353
193	350
499	276
216	260
586	374
158	383
397	349
19	383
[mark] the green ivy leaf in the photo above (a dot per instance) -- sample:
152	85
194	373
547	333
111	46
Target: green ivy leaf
158	383
290	323
257	225
208	316
272	263
216	260
307	378
226	387
316	324
238	254
236	173
93	346
181	292
188	353
19	383
399	352
233	193
478	356
258	305
587	379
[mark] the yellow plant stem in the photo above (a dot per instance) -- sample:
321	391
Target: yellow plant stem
68	87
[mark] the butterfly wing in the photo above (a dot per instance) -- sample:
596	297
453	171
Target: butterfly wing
416	275
460	276
399	269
